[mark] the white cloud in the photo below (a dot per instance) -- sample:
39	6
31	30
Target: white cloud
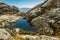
28	5
22	6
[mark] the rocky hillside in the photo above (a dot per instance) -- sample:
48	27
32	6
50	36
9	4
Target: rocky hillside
41	9
45	17
4	9
49	22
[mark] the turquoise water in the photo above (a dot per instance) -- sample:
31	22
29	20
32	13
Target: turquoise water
23	24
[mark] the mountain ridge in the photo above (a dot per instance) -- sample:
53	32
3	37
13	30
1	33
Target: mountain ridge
24	9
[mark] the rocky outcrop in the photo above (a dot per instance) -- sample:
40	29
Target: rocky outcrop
6	9
4	35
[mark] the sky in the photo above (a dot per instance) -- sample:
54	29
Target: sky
23	3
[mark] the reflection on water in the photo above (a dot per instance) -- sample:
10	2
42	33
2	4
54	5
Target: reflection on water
23	24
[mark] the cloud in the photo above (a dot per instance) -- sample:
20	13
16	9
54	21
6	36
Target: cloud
30	5
27	6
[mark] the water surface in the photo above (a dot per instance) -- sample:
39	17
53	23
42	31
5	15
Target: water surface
23	24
